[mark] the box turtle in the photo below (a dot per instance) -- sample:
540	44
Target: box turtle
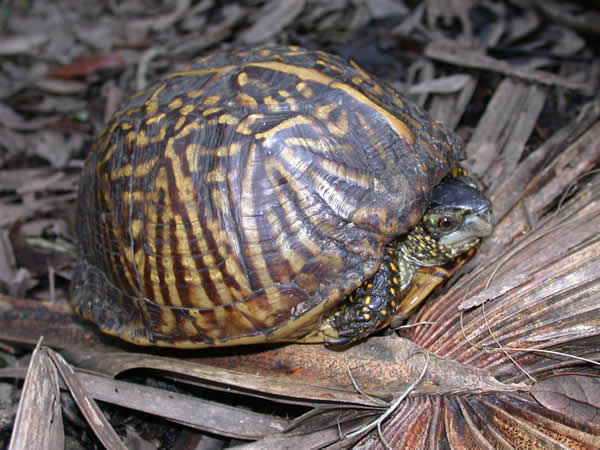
262	195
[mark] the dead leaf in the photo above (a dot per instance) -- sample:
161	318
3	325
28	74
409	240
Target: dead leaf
574	395
62	87
273	17
161	22
233	14
39	183
384	9
508	121
586	20
86	65
184	409
14	45
453	54
53	147
88	407
11	119
443	85
37	260
14	144
39	418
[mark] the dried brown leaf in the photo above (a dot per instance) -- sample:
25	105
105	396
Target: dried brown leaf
586	19
57	104
508	120
14	143
38	260
183	409
54	147
88	407
445	12
15	281
213	33
236	374
448	109
196	17
62	87
39	424
24	321
444	85
508	192
575	160
563	41
161	22
574	395
477	59
10	119
22	44
273	17
88	64
383	9
521	26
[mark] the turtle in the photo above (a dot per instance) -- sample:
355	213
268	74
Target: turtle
267	194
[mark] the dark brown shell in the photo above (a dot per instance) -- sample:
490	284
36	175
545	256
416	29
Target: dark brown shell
241	199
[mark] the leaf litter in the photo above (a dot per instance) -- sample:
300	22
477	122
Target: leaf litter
512	342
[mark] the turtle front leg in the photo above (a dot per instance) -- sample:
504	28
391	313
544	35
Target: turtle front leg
373	305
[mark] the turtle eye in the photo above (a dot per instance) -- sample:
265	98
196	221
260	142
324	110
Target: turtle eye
446	223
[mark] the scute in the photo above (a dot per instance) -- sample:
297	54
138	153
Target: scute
242	198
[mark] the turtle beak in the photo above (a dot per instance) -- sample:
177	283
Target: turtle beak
475	227
480	225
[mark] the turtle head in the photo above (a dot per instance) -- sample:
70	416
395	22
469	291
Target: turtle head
457	218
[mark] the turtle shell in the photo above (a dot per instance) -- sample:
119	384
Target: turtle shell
242	198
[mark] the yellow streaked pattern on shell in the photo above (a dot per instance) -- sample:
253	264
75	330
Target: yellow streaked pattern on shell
306	74
228	200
